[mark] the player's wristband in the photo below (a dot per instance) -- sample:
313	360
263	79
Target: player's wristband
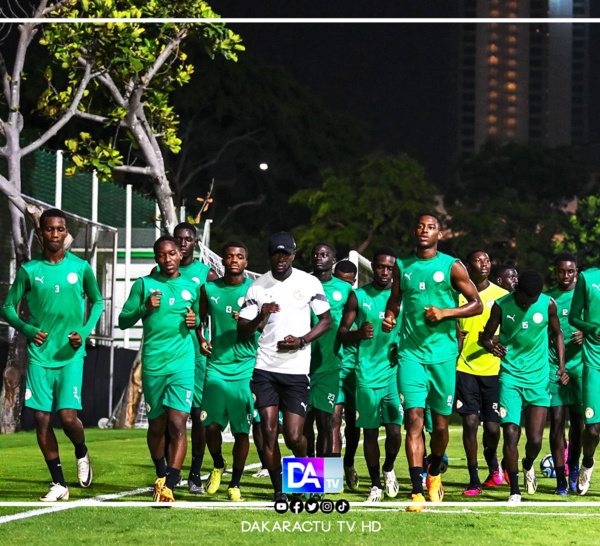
302	343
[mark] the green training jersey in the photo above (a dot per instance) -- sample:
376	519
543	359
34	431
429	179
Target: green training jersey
524	333
587	295
573	353
168	347
326	350
55	294
377	360
426	283
232	357
350	354
197	271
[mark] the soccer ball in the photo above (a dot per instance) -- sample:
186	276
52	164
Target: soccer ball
547	467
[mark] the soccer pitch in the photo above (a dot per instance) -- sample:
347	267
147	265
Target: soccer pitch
124	473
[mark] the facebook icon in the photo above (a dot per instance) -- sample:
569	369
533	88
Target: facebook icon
312	475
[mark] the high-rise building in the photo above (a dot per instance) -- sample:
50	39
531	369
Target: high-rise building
523	82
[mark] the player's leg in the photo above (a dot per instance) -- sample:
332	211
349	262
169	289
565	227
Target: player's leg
294	391
489	387
591	433
258	444
535	420
576	427
392	416
309	432
467	405
176	423
155	438
557	446
351	431
269	422
198	433
336	430
511	404
324	422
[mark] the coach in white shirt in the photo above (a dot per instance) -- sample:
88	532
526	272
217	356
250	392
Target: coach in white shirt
281	302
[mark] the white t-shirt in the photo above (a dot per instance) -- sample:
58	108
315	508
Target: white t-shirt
296	296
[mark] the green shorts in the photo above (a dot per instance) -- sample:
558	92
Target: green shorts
591	395
377	406
227	401
513	399
44	385
199	379
570	395
324	389
421	385
174	391
347	393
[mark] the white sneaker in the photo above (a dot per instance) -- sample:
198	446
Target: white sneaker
375	494
514	499
84	470
57	492
262	473
530	480
196	489
391	483
584	478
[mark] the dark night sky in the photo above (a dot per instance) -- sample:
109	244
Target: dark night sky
399	78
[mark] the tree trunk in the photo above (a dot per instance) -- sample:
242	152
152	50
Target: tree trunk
130	401
164	198
12	394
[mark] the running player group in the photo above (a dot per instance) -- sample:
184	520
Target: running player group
291	350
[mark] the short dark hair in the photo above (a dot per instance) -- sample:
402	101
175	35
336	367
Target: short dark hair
473	252
346	266
162	240
328	245
52	213
502	269
385	251
428	213
565	257
530	282
236	244
186	225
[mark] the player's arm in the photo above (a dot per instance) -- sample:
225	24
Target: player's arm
253	315
392	307
486	337
9	309
291	343
345	333
205	346
191	317
92	291
135	307
463	284
577	306
558	339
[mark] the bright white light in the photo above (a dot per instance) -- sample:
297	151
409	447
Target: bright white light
263	166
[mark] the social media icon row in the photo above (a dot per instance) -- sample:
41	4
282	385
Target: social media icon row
312	506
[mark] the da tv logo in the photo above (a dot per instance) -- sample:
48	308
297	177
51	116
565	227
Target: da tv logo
314	475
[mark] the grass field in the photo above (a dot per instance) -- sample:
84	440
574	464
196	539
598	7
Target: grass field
123	472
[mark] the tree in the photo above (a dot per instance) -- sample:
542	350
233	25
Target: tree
138	67
12	124
582	235
511	201
368	204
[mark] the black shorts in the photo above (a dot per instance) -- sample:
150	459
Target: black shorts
288	391
477	395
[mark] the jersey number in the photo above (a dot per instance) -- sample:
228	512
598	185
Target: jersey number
422	285
229	309
56	288
525	325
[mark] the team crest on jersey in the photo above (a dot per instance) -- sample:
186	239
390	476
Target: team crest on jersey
459	404
241	301
357	415
203	415
196	280
489	304
148	407
298	294
439	276
28	394
589	413
254	397
72	278
538	318
503	412
186	295
337	296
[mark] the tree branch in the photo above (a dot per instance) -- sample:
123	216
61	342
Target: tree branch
47	11
4	76
91	117
71	111
231	210
146	171
108	82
